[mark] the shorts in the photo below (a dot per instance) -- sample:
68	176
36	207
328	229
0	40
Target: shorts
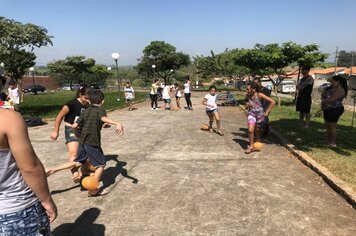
31	221
177	97
93	153
208	111
303	105
128	100
332	115
167	100
254	119
70	135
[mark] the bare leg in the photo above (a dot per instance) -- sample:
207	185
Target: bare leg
97	175
73	151
218	123
251	133
68	165
331	133
307	122
211	121
301	119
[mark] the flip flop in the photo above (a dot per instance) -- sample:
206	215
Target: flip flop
220	133
250	149
98	193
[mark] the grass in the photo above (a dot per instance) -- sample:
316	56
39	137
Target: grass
47	105
341	160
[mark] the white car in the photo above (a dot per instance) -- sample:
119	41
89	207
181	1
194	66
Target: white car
286	86
66	87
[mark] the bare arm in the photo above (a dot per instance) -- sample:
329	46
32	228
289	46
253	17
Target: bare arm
28	163
271	103
119	128
57	123
340	92
204	102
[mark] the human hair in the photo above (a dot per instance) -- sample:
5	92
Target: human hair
212	87
155	80
128	83
342	81
12	82
176	85
82	91
257	79
96	96
254	86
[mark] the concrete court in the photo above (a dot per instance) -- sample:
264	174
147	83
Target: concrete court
167	177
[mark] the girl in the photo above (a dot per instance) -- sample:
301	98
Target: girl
129	95
212	109
71	112
153	94
256	114
178	94
331	104
188	93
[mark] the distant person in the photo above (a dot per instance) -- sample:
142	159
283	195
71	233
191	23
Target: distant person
90	122
178	94
153	94
26	205
166	96
129	95
304	99
212	110
264	129
256	114
332	106
14	94
70	112
188	93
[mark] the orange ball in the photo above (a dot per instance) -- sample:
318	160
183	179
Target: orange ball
258	145
204	127
90	183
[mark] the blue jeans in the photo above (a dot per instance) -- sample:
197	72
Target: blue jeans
32	221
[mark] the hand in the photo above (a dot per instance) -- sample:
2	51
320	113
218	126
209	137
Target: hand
266	113
51	209
54	135
119	129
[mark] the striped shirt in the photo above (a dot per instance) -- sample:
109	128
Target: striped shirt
129	92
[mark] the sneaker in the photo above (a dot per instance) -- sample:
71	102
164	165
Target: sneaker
156	109
151	108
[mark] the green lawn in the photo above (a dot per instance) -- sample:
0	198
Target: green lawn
47	105
340	160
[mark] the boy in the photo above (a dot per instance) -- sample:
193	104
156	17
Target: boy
129	95
90	122
166	96
14	93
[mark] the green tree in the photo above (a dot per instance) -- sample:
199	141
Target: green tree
17	42
164	57
345	58
75	69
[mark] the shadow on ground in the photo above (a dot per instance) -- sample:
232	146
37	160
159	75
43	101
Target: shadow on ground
83	225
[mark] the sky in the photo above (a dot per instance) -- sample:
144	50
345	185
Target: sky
96	29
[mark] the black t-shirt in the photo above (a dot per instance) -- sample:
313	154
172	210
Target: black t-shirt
75	109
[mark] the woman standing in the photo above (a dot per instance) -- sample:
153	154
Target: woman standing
331	104
212	110
153	94
188	93
70	113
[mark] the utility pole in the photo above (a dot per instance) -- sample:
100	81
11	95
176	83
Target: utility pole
336	52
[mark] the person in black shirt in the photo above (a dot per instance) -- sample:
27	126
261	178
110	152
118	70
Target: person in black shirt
70	112
304	100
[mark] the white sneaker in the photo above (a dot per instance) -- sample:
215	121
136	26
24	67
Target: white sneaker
151	109
156	109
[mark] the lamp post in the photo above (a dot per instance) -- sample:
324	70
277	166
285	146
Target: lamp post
154	71
116	57
32	70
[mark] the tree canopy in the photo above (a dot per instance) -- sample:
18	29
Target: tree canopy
78	69
17	42
164	57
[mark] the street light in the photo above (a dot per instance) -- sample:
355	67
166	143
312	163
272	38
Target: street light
32	70
154	71
116	57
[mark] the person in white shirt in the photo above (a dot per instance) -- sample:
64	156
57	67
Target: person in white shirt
178	94
14	93
212	110
166	96
129	95
188	93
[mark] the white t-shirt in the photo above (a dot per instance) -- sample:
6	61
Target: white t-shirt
178	93
187	87
14	95
211	100
165	92
129	92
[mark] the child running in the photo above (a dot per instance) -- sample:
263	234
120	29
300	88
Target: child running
129	95
178	94
212	109
256	114
70	112
91	121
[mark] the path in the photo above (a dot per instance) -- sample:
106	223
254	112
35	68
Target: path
192	182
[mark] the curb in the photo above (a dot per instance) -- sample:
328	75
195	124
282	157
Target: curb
334	182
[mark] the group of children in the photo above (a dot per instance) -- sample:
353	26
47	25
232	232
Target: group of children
14	95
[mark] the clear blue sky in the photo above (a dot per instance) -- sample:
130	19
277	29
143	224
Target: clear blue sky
97	28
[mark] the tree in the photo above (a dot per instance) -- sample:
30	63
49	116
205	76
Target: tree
17	42
164	57
345	58
75	69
